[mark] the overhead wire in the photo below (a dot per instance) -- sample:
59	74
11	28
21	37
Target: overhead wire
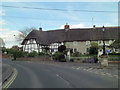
75	10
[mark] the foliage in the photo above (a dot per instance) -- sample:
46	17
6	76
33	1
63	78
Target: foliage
71	51
16	53
76	54
93	44
95	57
116	44
32	54
62	48
41	53
113	59
113	53
11	51
94	48
46	49
59	56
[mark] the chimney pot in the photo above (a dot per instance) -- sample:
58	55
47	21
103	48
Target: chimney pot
40	29
67	27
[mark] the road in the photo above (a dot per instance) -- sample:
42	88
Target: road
51	75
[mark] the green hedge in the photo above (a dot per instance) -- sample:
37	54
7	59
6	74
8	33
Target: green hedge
114	53
32	54
59	56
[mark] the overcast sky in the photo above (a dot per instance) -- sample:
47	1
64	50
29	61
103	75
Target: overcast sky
20	15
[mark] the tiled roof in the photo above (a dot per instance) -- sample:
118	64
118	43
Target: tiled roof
80	34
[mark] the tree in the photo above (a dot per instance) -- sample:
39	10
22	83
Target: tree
62	48
94	48
116	44
23	33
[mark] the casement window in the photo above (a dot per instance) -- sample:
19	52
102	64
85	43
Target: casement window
75	42
87	49
75	50
116	50
87	42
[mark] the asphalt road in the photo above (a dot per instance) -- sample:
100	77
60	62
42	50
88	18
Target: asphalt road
51	75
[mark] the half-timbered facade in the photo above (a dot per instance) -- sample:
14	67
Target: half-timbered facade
77	39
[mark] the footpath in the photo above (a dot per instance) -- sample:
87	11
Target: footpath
7	73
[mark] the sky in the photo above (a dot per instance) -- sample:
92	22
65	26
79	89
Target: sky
41	14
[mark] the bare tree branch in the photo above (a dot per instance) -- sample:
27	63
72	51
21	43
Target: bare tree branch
23	33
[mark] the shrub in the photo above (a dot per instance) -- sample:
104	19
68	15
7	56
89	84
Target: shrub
61	48
95	58
18	54
41	53
93	50
32	54
59	56
113	53
76	54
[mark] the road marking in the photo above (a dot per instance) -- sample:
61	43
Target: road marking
84	69
11	80
108	74
90	71
78	68
102	73
115	75
62	78
96	73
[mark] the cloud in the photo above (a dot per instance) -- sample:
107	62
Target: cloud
2	12
74	26
9	36
2	22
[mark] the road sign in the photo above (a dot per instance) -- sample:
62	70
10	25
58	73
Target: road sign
107	51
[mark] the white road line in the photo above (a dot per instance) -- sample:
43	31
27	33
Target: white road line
96	73
62	78
102	73
73	68
108	73
115	75
84	69
78	68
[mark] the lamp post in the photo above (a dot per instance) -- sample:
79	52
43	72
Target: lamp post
103	29
104	61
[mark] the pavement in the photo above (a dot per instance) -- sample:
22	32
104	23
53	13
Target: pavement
62	75
7	71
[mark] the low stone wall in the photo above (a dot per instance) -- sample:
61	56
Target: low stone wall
33	59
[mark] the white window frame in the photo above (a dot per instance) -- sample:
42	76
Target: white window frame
75	42
74	50
87	42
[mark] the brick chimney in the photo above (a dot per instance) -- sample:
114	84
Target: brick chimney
40	29
67	27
